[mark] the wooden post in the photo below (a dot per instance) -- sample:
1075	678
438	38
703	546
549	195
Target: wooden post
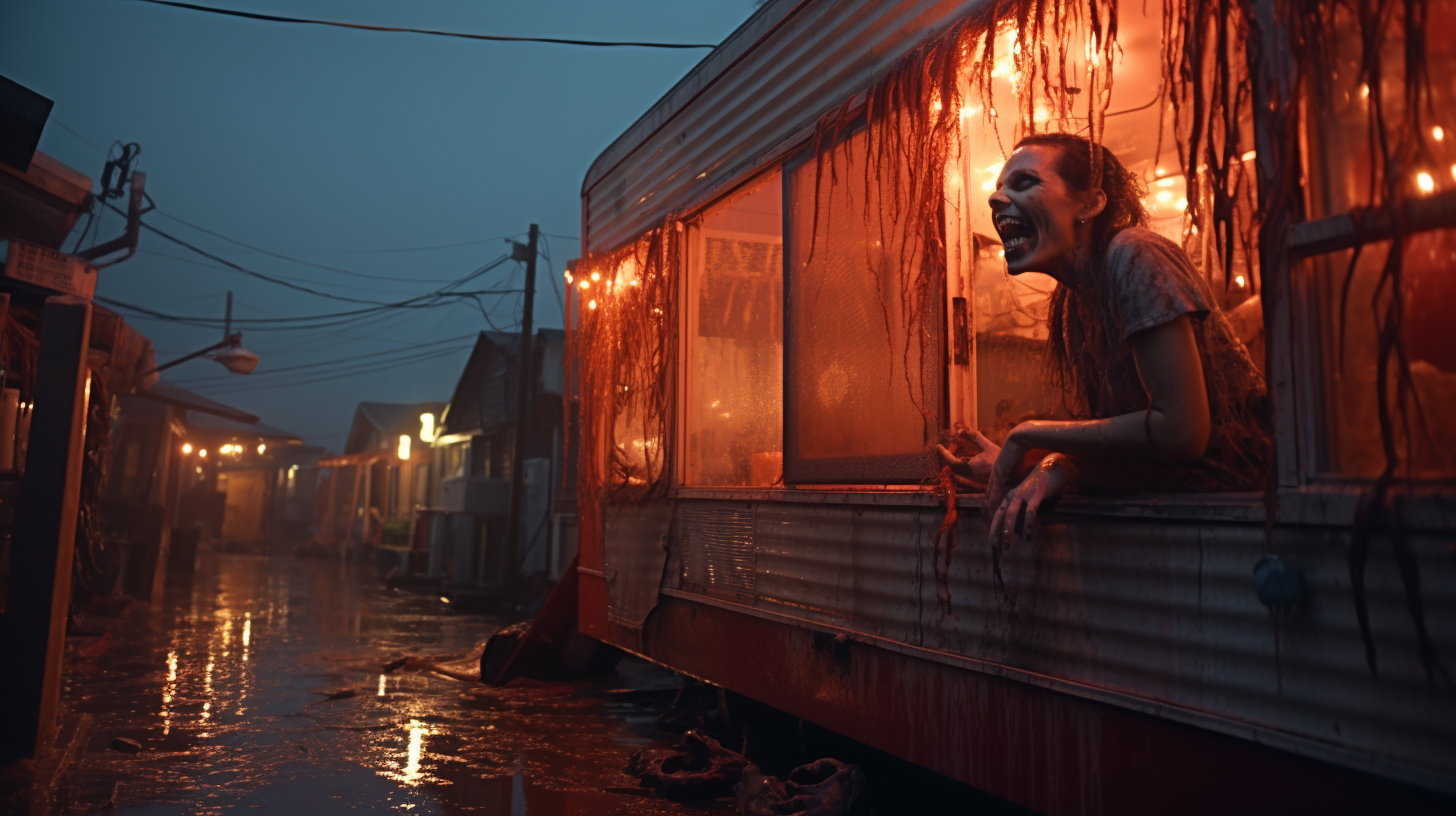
44	533
508	564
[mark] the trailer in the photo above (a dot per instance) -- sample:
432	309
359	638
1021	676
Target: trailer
790	288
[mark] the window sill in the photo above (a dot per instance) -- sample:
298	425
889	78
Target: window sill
1428	508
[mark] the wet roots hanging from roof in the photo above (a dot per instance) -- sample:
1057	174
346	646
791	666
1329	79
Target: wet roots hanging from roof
1212	49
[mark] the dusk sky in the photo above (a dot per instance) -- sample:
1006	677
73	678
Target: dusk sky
339	147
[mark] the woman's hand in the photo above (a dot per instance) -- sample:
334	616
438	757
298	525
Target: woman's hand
1003	472
1017	512
974	471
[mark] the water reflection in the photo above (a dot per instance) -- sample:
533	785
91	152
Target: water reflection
243	669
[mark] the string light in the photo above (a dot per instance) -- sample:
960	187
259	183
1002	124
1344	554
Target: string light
186	447
1425	182
592	304
1240	281
1437	133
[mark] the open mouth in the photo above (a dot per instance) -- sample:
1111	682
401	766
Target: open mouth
1017	234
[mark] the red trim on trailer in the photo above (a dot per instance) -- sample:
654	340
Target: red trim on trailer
1049	751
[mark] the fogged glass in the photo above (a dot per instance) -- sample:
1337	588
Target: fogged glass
864	393
735	350
1424	434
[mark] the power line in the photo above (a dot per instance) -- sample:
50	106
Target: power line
353	358
342	375
271	279
300	260
87	141
494	37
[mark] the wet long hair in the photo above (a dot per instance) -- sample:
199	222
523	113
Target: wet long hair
1082	333
1086	338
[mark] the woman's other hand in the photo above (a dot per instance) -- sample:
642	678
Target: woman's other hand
972	471
1017	511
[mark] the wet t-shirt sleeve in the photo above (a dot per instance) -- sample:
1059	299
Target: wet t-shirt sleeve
1151	282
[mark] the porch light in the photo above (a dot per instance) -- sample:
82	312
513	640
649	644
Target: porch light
186	448
262	448
428	432
404	446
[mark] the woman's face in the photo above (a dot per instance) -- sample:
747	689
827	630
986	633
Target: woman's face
1036	212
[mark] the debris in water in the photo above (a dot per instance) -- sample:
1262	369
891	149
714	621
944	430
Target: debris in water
126	745
698	768
827	787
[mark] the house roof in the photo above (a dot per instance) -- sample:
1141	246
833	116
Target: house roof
485	395
163	391
387	419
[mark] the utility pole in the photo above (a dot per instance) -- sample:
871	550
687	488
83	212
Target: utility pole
509	564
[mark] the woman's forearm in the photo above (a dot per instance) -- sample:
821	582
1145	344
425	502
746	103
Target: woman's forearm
1142	435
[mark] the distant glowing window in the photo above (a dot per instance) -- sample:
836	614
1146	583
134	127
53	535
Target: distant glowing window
736	343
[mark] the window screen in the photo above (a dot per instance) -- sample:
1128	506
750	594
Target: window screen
865	364
736	344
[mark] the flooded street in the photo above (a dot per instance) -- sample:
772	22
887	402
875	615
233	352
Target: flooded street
263	690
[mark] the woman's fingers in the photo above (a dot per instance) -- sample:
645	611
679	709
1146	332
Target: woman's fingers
1033	506
985	443
993	530
946	456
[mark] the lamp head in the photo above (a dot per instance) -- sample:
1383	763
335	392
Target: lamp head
237	360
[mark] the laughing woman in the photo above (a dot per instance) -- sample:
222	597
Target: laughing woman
1164	395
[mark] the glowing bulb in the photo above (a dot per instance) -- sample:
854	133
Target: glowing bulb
1425	182
567	275
1165	196
428	433
969	110
1040	115
592	304
262	447
596	276
988	185
202	453
1160	172
1364	91
1182	204
186	447
1239	280
1165	182
1249	156
936	107
1453	171
404	446
1437	133
585	284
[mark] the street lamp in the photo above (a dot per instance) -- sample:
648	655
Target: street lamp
229	352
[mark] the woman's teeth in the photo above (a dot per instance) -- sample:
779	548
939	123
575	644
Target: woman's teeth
1012	244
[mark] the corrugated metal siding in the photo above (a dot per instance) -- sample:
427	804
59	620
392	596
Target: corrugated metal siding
1162	612
724	116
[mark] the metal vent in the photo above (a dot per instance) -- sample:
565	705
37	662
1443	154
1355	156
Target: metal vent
717	547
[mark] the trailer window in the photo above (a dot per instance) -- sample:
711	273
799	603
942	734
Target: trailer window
1352	292
865	360
1009	314
735	348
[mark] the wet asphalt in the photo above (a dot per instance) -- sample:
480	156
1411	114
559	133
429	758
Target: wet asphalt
261	690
